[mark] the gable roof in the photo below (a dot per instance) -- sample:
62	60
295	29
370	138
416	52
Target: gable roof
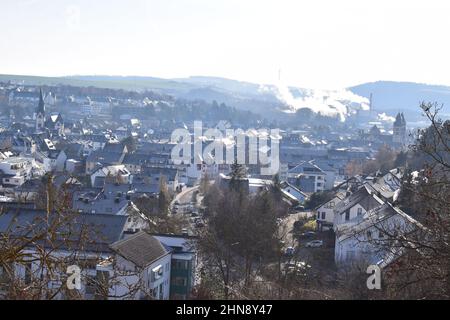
364	197
306	167
99	230
376	216
141	248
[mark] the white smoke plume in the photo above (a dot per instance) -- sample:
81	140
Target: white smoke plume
384	117
332	103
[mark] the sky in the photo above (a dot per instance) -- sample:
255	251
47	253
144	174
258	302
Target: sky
325	44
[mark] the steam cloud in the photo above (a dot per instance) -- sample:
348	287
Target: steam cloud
332	103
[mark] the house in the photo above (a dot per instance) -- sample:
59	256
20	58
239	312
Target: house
54	160
293	191
28	191
14	171
117	172
352	209
102	158
68	246
371	241
330	170
155	175
140	260
134	162
75	150
307	176
183	264
113	264
387	186
55	124
326	211
95	142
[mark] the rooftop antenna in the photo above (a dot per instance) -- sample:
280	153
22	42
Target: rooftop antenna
370	103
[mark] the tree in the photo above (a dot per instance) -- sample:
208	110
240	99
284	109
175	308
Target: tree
238	175
422	269
204	183
130	143
241	233
44	244
163	196
318	198
353	168
275	188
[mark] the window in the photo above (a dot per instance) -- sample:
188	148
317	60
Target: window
27	273
318	215
380	234
347	215
90	285
157	273
179	281
323	215
359	212
369	235
181	264
161	291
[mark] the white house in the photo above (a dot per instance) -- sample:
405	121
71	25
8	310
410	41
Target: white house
14	171
119	171
352	209
308	176
53	160
330	172
294	191
372	240
325	212
140	261
113	265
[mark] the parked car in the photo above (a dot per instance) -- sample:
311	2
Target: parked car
299	267
199	224
307	235
296	209
289	251
314	244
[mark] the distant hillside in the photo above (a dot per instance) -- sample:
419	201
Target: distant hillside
268	100
392	96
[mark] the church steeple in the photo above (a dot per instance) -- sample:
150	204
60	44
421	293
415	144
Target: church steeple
41	105
40	113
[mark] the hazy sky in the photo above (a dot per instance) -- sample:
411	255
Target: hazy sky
320	43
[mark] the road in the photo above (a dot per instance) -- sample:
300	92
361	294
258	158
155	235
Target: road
184	197
288	225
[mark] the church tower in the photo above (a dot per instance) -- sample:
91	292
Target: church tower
399	130
40	113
